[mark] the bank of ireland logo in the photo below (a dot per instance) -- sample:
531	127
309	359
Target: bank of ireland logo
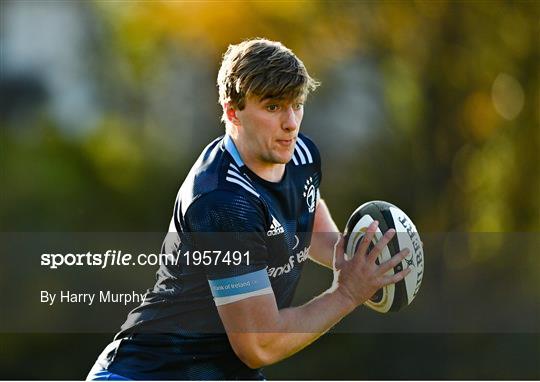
310	194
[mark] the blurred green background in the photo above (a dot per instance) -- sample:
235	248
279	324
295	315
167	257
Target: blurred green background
431	105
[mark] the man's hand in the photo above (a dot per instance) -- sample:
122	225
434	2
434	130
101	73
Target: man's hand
359	278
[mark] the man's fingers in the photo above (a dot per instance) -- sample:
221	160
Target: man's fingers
366	240
394	261
375	252
387	280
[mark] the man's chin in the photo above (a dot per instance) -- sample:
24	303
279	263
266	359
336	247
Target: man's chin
285	159
282	157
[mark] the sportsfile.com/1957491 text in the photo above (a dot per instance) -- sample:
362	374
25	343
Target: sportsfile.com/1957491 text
118	258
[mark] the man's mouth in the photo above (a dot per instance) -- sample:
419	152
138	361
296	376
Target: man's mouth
286	142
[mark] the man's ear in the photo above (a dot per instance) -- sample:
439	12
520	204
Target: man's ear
230	111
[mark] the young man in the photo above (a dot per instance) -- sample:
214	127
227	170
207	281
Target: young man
243	224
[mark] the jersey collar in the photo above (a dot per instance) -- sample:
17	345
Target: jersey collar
231	148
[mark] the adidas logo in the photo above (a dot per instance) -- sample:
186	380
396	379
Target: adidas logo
275	228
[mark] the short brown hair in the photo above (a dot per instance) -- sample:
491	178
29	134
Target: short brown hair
261	68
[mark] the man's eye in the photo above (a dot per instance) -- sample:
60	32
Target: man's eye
298	106
272	107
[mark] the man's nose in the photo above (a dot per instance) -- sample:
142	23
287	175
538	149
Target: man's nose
290	119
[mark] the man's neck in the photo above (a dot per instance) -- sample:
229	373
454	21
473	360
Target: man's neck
271	172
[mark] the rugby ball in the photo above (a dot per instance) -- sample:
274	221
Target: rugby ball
390	298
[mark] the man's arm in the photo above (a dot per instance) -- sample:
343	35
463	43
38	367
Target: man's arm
325	235
260	334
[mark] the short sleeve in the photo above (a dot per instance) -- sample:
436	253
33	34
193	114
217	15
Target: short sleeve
227	228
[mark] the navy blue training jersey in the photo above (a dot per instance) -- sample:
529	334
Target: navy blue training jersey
234	235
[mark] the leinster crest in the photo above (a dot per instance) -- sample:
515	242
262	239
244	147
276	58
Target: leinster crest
310	194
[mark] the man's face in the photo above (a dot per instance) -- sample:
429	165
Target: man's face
267	129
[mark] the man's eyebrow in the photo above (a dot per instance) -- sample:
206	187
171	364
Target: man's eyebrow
272	99
283	99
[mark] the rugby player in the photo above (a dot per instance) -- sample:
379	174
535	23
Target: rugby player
253	192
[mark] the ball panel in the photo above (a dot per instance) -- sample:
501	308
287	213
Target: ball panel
354	233
396	293
409	238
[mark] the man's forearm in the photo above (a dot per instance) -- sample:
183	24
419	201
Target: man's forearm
292	329
325	235
322	245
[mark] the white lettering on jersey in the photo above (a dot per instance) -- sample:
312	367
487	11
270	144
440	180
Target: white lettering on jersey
297	258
